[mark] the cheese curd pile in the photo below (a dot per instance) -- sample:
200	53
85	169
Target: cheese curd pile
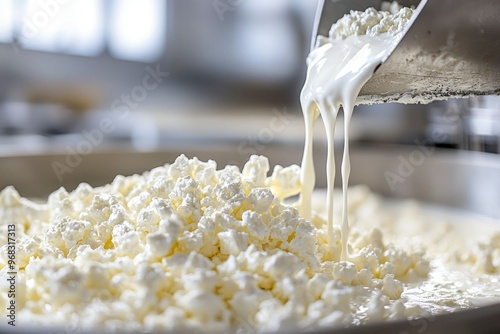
187	246
391	19
463	248
444	233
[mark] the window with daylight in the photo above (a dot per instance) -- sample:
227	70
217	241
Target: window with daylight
6	21
137	29
128	29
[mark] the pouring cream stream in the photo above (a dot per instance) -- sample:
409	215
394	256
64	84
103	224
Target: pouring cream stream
337	70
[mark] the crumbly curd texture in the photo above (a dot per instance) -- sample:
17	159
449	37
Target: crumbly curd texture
392	19
189	247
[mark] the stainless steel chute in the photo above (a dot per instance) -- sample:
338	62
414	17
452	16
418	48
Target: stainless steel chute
451	49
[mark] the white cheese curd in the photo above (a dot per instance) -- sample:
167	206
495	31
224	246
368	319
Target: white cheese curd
187	246
372	22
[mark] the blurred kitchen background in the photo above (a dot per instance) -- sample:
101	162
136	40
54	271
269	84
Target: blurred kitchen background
235	68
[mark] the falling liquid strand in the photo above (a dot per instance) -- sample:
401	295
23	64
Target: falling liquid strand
336	73
307	174
330	118
346	171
